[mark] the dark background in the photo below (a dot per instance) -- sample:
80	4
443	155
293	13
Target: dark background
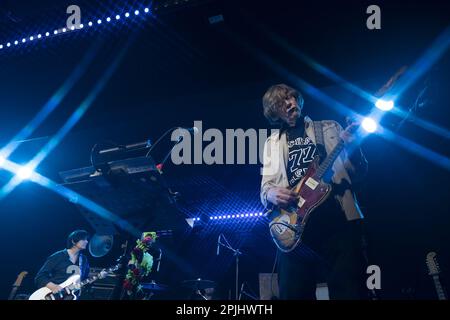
180	68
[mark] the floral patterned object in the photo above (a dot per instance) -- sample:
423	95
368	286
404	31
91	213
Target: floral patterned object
140	264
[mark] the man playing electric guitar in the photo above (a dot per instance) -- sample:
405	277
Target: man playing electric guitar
62	264
331	237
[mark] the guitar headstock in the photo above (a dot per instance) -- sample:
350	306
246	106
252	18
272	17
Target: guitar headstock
432	264
390	83
20	278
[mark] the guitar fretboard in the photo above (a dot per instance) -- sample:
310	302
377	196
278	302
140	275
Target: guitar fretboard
329	160
439	289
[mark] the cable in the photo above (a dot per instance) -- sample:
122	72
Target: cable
159	140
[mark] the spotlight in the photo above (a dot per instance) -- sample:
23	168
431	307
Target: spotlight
24	40
246	215
211	218
55	32
39	36
369	125
146	10
24	173
220	217
81	26
117	17
16	43
251	214
90	24
1	46
260	214
233	216
2	160
99	21
31	38
228	217
108	19
72	28
47	34
136	12
242	215
8	44
384	105
64	30
127	15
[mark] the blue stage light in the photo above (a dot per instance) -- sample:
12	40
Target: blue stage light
39	36
136	12
81	26
24	40
8	44
1	46
64	30
99	21
146	10
24	173
31	38
228	217
90	24
47	34
16	43
127	15
72	28
118	17
369	125
55	32
384	105
108	19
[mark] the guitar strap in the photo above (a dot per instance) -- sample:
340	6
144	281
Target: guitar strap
320	145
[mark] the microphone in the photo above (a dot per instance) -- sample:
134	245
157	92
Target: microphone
194	130
242	289
218	244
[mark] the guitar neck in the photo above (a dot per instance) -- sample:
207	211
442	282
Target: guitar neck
439	289
13	293
96	277
329	160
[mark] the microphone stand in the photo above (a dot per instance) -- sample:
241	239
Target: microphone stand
236	253
246	293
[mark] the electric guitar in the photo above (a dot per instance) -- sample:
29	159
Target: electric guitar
434	271
287	225
17	284
70	287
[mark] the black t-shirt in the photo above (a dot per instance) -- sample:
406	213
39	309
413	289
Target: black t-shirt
301	153
59	268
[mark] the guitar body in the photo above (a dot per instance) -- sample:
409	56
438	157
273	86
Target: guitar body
45	293
286	226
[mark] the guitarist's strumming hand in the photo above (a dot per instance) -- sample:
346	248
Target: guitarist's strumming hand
54	287
281	197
